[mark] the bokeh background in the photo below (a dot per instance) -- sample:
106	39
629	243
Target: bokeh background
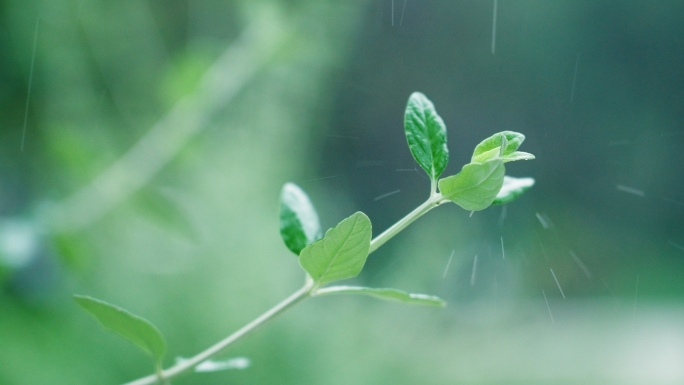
143	145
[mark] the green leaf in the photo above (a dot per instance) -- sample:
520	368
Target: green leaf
517	155
386	294
426	135
512	139
299	224
494	153
503	146
136	329
476	186
512	189
341	253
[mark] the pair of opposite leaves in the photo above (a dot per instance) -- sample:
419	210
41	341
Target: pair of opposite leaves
340	254
480	183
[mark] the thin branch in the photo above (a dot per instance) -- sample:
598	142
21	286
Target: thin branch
229	75
187	365
288	303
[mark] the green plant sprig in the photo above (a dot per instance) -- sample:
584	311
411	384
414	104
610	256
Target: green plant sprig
342	252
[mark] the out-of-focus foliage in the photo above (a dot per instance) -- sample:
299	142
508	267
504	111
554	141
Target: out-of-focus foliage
134	328
319	96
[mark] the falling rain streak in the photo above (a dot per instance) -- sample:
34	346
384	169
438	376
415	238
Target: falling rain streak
541	246
446	269
377	198
548	307
673	201
473	274
30	83
580	264
504	213
631	190
392	13
574	80
412	169
401	20
557	283
676	245
494	26
544	220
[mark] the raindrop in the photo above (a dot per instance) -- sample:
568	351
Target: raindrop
557	283
377	198
580	264
472	275
631	190
30	82
448	264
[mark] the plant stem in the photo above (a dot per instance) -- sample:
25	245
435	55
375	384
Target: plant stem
184	366
435	200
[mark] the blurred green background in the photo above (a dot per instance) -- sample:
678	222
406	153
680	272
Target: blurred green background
143	145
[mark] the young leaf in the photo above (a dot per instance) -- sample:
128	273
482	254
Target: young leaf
426	135
476	186
341	253
504	145
386	294
513	140
136	329
487	155
512	189
299	224
517	155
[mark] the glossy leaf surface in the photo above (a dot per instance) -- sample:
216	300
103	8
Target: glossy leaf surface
512	189
494	153
476	186
299	223
341	253
517	155
513	140
426	135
